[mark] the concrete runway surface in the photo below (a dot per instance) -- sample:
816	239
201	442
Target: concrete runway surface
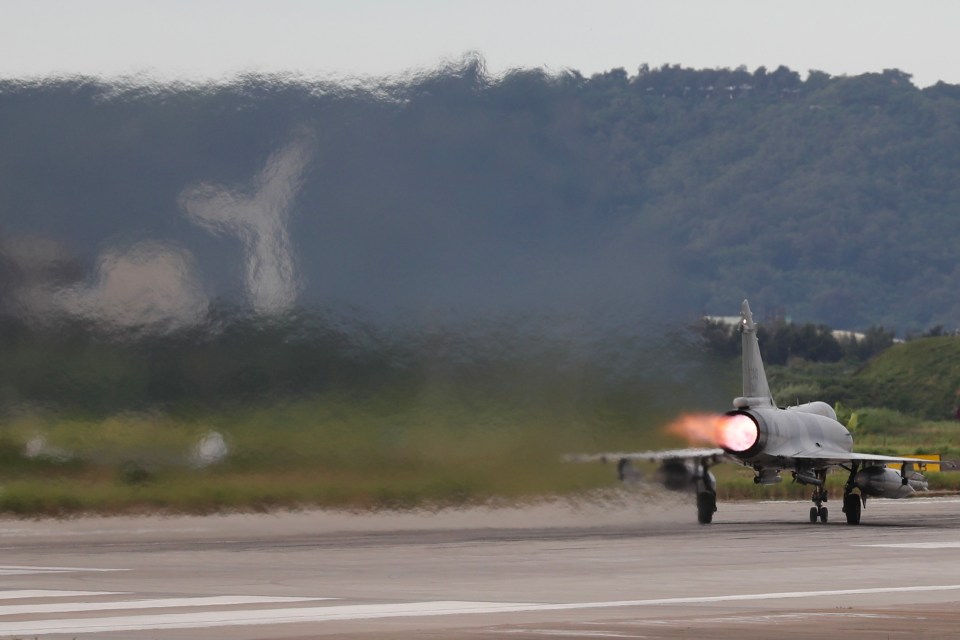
613	568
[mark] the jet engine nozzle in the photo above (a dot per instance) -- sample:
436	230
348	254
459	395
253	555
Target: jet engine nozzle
738	432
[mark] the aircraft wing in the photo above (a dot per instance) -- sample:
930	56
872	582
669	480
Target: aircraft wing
713	455
827	458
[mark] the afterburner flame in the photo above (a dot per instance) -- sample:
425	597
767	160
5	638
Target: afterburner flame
738	433
734	433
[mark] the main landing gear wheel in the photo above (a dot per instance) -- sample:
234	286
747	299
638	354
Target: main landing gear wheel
814	512
851	500
706	507
851	507
823	515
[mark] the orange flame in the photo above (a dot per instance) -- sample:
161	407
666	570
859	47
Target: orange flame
736	432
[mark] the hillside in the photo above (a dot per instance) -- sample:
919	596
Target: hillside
423	287
456	195
920	377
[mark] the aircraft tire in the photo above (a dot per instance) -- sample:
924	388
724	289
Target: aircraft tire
706	506
823	515
814	514
851	507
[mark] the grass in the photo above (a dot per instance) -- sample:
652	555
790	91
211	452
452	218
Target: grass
332	452
390	451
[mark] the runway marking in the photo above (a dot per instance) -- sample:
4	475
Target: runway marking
749	596
913	545
766	619
330	613
16	594
161	603
563	633
778	617
207	619
879	502
20	570
15	533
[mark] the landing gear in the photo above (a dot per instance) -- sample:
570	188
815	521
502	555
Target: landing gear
852	501
819	497
706	507
818	478
851	507
706	495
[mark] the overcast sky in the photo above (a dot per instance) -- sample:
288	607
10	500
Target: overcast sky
215	39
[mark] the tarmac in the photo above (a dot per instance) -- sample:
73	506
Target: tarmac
614	565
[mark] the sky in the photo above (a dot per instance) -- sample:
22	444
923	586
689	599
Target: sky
339	39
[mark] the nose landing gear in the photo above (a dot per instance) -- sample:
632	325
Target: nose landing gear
819	511
817	478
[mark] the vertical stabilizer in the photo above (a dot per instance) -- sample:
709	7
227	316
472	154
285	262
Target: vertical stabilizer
756	391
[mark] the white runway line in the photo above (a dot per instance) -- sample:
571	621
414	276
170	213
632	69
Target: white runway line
207	619
563	633
747	597
17	594
913	545
159	603
780	617
771	619
19	570
880	502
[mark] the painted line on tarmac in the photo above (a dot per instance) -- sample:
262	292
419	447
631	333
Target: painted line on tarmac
911	501
769	619
6	532
878	501
330	613
563	633
783	595
21	570
207	619
913	545
17	594
159	603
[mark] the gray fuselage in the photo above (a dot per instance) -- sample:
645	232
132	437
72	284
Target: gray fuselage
786	433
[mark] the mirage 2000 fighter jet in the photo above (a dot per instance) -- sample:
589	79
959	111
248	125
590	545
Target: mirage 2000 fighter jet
806	440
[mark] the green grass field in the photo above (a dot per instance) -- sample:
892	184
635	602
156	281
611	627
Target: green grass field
391	452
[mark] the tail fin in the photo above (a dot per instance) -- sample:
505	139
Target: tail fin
756	391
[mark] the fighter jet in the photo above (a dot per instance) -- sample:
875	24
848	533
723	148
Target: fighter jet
805	440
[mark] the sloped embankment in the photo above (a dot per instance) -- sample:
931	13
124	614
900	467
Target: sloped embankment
920	377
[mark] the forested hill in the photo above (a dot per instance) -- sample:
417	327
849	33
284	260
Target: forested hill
831	199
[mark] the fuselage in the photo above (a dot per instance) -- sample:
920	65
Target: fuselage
782	434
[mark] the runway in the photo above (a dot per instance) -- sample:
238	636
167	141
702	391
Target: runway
620	568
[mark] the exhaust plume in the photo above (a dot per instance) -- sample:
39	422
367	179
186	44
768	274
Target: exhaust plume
732	432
